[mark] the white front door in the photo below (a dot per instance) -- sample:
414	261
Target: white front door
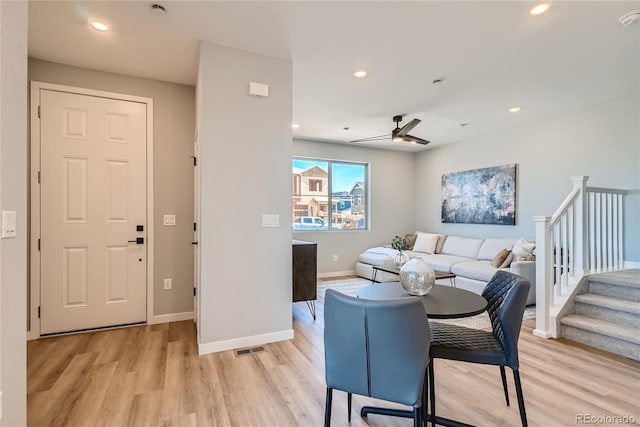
93	205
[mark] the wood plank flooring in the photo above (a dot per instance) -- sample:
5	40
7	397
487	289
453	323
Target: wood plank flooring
152	376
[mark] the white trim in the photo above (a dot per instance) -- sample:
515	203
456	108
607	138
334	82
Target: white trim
631	264
173	317
35	232
214	347
336	274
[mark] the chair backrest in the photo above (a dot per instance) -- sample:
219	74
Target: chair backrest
376	348
506	294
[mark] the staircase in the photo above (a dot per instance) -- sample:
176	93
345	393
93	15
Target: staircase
606	313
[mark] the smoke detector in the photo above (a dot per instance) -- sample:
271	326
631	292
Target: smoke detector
629	18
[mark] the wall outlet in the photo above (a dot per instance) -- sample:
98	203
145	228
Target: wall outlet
335	258
167	284
169	220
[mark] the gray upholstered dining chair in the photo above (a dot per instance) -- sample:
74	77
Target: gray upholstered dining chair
377	348
506	294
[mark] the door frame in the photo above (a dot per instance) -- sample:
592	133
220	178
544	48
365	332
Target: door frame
34	188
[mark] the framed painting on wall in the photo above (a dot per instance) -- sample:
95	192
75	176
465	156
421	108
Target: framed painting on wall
480	196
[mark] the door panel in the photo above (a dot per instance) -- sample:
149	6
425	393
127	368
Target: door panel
93	194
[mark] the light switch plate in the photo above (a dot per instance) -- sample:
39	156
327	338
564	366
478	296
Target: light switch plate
270	220
8	224
169	220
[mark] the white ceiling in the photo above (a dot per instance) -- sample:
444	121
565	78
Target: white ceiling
493	55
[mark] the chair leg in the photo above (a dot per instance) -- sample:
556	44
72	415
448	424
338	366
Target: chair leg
425	395
349	396
432	393
327	408
503	374
523	414
417	418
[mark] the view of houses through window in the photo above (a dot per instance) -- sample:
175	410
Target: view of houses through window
329	195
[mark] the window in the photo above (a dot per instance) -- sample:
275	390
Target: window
329	195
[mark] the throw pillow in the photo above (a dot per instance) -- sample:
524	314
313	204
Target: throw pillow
523	250
411	241
441	239
507	261
426	242
500	257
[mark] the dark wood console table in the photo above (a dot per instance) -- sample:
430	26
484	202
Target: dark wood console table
305	273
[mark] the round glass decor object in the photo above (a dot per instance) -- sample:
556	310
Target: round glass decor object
417	277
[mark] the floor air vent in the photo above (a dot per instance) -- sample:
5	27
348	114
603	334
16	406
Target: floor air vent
245	351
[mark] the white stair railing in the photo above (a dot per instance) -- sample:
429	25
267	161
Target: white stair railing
585	234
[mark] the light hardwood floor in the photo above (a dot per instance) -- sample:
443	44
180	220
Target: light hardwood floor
152	376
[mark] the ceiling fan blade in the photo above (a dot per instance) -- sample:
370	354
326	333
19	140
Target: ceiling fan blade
404	130
416	140
373	138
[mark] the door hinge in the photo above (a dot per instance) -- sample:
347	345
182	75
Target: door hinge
38	312
38	244
194	292
38	111
195	227
195	160
39	177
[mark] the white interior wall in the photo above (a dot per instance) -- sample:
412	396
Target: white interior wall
13	197
392	182
600	140
245	159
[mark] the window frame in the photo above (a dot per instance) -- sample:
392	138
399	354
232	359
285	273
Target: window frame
366	193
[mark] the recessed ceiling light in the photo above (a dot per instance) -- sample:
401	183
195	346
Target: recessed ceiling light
514	109
295	126
438	80
345	128
100	26
158	9
464	125
539	9
360	73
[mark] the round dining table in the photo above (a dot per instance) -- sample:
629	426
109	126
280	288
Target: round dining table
442	302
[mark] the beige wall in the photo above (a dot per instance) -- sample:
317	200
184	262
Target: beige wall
245	152
173	131
393	206
13	196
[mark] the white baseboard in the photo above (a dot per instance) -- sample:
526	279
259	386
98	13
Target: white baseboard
336	273
631	264
173	317
214	347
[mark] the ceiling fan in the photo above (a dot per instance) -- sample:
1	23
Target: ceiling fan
399	134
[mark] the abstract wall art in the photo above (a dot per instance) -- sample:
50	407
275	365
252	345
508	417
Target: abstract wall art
480	196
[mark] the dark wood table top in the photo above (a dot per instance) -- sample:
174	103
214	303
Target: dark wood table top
443	302
396	270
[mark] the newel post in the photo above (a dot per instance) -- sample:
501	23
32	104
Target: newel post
581	239
544	277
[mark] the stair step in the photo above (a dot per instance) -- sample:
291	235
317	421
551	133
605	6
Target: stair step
629	278
612	303
602	327
621	291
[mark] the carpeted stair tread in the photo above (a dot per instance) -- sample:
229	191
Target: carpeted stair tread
626	333
612	303
629	278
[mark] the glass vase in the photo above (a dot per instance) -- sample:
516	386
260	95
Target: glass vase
400	259
417	277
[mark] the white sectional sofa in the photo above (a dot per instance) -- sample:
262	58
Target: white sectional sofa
468	258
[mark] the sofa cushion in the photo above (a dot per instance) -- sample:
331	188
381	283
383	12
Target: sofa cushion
462	246
440	262
491	247
378	256
426	242
478	270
